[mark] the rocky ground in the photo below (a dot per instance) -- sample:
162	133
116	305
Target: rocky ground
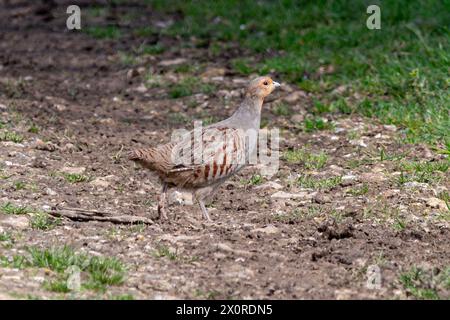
350	195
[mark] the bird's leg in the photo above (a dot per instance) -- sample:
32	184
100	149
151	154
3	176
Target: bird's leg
162	202
204	211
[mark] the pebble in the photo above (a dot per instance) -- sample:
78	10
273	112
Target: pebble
286	195
436	203
295	96
270	229
73	170
269	185
15	222
172	62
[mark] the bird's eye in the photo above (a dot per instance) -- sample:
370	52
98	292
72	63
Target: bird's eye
266	83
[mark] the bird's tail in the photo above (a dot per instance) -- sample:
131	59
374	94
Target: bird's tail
151	158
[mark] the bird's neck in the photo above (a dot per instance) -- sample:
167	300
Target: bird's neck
250	110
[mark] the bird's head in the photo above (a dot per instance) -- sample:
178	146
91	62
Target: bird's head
261	87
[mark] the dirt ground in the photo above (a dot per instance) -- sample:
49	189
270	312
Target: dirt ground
270	239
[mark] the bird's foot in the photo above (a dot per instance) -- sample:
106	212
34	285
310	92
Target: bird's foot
162	213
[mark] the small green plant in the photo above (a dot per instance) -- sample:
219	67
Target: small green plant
242	66
311	124
144	31
104	32
399	223
445	196
308	159
6	239
33	129
188	86
151	49
423	284
11	136
282	109
424	172
359	191
310	182
127	59
75	177
100	272
254	180
19	185
9	208
43	221
164	251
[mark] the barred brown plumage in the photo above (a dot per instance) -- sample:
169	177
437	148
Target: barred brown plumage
201	161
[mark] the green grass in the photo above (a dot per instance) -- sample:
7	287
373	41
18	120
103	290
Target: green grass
282	110
19	185
75	177
151	49
43	221
6	239
103	32
254	180
33	129
308	159
311	124
189	86
98	272
423	284
9	208
144	31
399	72
445	196
359	191
164	251
424	172
11	136
310	182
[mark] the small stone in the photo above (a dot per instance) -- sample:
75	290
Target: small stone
321	198
390	127
373	177
45	146
73	170
295	96
297	118
15	222
50	192
60	107
286	195
436	203
359	143
132	73
181	198
69	147
270	229
213	72
415	185
3	107
173	62
348	180
141	88
103	182
269	185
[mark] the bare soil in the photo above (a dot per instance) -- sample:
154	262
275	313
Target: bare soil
91	107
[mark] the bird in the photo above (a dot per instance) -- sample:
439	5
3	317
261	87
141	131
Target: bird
201	160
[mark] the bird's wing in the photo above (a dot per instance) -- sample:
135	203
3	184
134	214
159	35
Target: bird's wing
208	155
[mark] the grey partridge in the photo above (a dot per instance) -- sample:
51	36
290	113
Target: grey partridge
201	160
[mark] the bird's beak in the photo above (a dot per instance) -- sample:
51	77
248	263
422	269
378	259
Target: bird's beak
276	84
